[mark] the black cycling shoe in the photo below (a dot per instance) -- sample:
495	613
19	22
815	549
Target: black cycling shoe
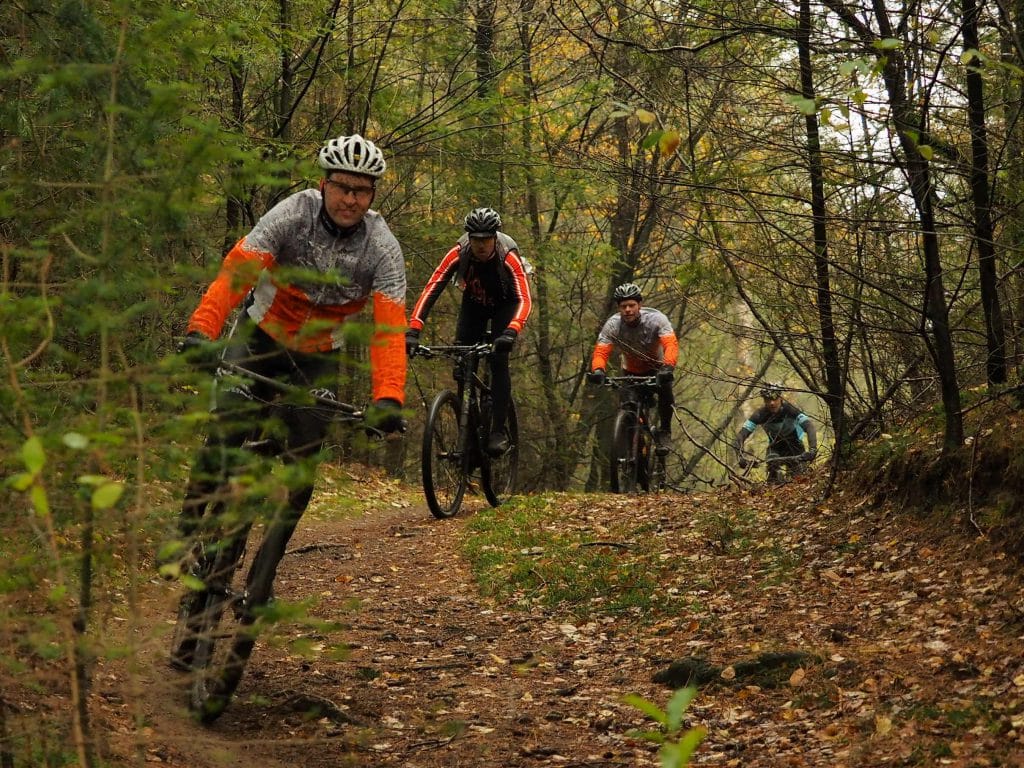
497	443
662	443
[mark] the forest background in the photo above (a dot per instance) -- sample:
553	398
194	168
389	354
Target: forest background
827	194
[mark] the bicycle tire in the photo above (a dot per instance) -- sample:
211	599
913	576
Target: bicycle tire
443	465
623	464
498	474
189	623
644	452
225	639
659	474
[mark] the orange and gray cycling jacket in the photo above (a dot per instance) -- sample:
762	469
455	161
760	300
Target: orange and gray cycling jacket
645	347
305	282
485	285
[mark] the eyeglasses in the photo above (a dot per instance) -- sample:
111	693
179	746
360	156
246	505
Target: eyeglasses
360	193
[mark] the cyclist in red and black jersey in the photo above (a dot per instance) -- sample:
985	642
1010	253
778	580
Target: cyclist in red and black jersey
648	345
310	263
486	266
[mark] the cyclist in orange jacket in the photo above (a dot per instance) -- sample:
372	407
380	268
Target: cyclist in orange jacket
648	345
311	262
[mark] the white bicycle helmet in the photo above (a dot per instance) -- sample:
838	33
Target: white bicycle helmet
353	154
628	292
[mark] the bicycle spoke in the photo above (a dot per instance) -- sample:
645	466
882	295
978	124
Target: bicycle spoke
444	479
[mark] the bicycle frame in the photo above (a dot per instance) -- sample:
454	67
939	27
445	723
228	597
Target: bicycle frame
634	465
472	388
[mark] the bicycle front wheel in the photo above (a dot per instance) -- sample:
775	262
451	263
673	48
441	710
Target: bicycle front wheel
224	636
444	471
498	473
624	465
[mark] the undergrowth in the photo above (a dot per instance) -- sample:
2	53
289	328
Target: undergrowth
521	558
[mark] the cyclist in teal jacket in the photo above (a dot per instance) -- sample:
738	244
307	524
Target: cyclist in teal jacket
786	425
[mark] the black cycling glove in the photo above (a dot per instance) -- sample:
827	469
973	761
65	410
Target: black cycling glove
200	352
412	342
505	340
596	376
385	415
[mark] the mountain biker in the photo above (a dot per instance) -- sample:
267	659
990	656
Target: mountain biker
785	424
310	263
485	264
648	345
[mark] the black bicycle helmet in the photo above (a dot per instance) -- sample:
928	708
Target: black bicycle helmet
628	291
771	391
484	222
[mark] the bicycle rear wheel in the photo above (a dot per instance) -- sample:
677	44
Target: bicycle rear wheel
444	470
498	473
624	467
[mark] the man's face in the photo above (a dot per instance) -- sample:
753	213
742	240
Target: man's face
347	197
773	404
483	248
629	311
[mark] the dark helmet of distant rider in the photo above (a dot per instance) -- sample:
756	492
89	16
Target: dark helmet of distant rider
629	297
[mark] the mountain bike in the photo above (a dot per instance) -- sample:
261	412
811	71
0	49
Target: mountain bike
455	435
230	583
635	465
781	469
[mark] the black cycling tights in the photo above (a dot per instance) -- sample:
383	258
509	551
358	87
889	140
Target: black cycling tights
471	329
241	413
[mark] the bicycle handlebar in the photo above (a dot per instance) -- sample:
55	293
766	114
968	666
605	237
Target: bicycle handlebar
352	412
454	351
630	381
756	461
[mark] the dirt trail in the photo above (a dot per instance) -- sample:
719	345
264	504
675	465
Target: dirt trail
914	637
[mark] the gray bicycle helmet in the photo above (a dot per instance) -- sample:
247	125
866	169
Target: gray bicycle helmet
352	154
483	222
771	390
628	291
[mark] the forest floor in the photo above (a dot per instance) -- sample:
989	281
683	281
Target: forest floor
914	635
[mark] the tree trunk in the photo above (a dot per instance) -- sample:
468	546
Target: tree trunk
830	350
995	335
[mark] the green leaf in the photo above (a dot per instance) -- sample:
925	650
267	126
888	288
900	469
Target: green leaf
39	500
887	44
925	150
107	495
96	480
651	140
193	582
649	708
75	441
806	105
33	455
677	705
21	481
689	743
970	55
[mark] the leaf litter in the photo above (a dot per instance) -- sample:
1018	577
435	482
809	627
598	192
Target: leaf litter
905	637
